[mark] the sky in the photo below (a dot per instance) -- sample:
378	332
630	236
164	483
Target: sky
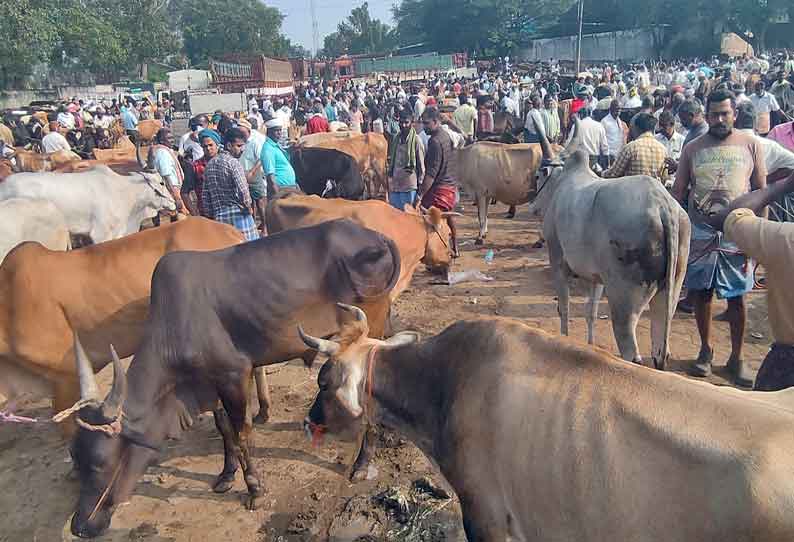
298	22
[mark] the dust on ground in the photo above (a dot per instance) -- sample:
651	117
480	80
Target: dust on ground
308	495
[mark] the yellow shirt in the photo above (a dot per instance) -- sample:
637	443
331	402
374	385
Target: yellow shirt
772	244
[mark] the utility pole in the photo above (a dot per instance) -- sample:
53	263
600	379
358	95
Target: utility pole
315	30
579	37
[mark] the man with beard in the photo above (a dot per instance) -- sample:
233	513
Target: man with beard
716	169
225	195
406	163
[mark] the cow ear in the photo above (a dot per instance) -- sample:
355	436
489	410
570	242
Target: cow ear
403	338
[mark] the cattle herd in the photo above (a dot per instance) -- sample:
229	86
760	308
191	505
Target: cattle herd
541	437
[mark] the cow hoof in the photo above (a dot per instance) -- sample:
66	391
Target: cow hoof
252	502
479	241
262	417
358	475
223	483
538	244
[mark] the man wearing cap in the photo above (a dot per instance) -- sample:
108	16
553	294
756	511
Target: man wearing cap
253	166
279	174
189	145
225	195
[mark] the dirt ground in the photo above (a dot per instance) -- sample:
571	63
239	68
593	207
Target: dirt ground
308	496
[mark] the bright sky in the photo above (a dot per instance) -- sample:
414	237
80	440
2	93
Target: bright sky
298	21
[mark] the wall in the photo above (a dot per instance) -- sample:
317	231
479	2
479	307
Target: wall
606	46
21	98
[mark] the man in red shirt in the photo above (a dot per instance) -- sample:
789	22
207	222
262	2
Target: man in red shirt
317	123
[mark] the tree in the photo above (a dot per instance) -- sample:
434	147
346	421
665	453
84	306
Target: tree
359	34
212	28
28	33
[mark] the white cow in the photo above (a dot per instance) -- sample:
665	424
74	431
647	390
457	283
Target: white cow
98	202
627	235
39	220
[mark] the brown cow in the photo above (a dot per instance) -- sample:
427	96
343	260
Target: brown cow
34	162
6	169
546	439
102	291
419	238
370	152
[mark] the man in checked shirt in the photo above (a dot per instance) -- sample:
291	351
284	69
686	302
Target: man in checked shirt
225	194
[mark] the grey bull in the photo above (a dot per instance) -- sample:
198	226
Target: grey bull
626	236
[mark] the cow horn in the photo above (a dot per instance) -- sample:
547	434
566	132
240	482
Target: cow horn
545	146
138	153
360	315
324	346
576	139
89	391
118	393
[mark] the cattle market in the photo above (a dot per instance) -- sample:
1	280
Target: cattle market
390	293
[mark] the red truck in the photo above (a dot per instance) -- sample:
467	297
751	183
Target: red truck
252	74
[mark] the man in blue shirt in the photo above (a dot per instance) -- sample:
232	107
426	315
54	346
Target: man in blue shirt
279	175
130	121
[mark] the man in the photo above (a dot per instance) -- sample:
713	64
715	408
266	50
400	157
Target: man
130	121
507	104
278	172
551	119
716	169
643	155
164	160
784	93
406	163
66	119
54	141
779	161
691	116
254	140
764	104
772	244
464	117
316	124
439	185
534	127
593	138
330	109
615	129
284	114
671	140
189	145
783	134
256	115
225	196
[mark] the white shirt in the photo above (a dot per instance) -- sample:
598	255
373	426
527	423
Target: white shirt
615	134
66	120
251	153
188	145
284	114
54	141
673	145
776	156
764	104
742	97
594	137
103	121
510	105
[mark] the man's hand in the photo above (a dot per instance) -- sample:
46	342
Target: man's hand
672	165
756	201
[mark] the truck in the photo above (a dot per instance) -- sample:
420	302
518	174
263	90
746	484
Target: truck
411	66
189	80
252	74
189	103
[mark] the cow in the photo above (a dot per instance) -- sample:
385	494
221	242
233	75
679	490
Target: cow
102	291
34	162
314	167
215	316
507	173
627	236
97	203
39	220
6	169
421	238
370	152
543	438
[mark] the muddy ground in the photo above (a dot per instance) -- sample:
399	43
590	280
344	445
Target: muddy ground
308	496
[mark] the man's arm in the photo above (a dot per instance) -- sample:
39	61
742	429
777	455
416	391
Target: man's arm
756	201
269	169
618	169
682	178
432	166
238	174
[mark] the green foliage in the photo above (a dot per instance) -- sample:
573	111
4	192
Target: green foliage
215	27
27	31
359	34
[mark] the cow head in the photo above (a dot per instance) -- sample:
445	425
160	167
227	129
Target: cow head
340	404
109	456
159	197
551	170
438	255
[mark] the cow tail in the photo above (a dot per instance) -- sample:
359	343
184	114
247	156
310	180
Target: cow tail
671	236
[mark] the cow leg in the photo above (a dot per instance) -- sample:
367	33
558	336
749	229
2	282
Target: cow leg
480	524
225	479
361	464
661	322
626	303
263	394
596	291
561	277
482	216
234	396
